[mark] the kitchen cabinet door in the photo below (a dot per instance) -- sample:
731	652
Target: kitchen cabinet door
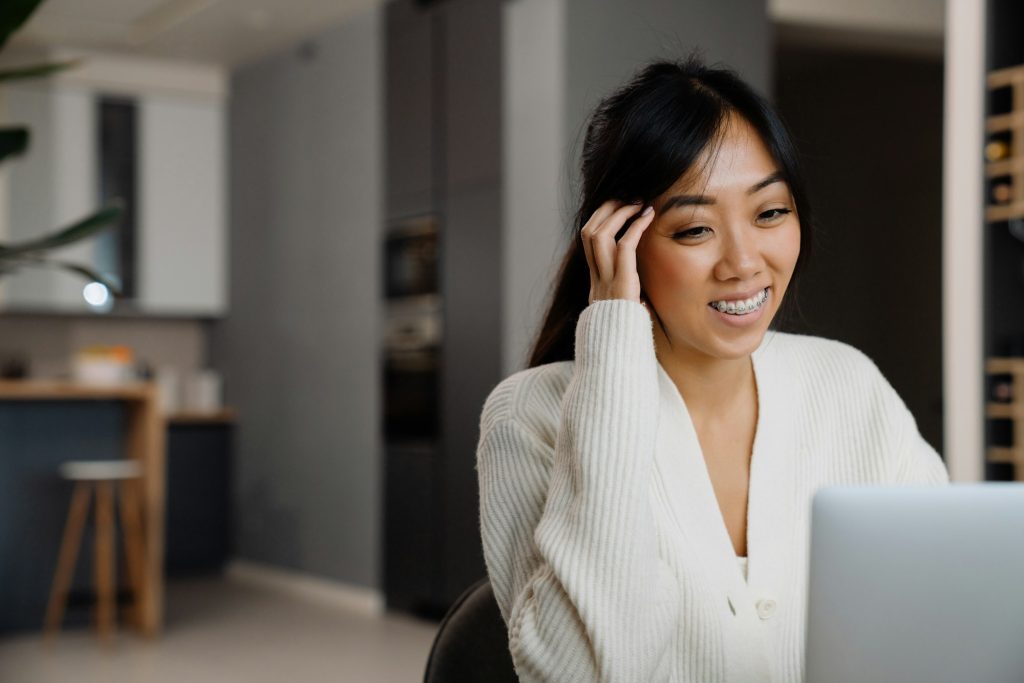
182	243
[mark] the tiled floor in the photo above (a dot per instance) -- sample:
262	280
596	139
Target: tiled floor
222	631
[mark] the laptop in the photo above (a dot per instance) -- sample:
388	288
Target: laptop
916	584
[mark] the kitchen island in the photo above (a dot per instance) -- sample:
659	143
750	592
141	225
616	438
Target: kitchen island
43	423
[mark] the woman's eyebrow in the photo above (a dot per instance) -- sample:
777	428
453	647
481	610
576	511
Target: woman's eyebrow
703	200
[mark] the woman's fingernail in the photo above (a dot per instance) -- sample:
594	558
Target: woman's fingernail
647	210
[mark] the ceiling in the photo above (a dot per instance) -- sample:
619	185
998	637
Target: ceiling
233	32
225	32
918	18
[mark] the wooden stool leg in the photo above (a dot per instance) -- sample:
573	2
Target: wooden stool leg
131	520
104	565
77	515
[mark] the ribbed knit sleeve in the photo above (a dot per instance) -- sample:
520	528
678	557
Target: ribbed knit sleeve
908	458
568	532
916	461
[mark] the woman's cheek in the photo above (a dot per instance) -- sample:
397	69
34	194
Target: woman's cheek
790	248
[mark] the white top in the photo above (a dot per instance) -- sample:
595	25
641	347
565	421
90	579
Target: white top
604	542
742	561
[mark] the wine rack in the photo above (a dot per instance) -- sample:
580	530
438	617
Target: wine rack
1011	409
1005	157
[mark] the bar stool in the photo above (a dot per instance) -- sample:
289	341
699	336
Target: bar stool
99	475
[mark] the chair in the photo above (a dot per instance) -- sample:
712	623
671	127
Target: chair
471	644
99	476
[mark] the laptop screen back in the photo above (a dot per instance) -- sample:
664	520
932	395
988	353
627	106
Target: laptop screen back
917	584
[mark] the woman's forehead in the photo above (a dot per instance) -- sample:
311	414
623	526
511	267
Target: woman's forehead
737	160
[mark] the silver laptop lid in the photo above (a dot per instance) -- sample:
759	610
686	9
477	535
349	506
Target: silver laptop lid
917	584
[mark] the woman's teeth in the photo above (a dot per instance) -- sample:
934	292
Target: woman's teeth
742	307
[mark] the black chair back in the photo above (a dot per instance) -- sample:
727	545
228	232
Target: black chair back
472	643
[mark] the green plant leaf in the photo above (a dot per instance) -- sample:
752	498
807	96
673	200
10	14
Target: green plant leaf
97	222
14	13
36	70
85	271
13	141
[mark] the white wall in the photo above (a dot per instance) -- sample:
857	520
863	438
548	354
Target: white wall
963	239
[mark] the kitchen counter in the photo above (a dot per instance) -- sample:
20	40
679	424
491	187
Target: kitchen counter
145	440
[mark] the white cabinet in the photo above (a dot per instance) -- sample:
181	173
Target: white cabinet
49	187
182	246
180	259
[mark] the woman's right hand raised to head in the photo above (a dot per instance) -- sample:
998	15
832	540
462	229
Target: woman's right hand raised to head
613	273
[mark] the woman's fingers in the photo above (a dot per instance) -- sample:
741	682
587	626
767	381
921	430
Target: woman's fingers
603	212
602	240
626	252
612	262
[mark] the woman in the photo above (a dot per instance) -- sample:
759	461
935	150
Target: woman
645	484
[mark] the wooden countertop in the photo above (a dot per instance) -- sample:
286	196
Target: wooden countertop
66	390
62	390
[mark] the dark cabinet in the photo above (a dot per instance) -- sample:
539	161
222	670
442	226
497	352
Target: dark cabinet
442	270
198	517
412	540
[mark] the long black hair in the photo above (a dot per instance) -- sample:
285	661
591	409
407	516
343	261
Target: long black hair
640	140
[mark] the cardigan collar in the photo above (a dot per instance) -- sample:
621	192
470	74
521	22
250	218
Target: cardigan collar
689	493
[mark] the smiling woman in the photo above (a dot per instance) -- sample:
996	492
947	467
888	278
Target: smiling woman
715	266
645	484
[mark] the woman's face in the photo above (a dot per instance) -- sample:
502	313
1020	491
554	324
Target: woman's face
730	234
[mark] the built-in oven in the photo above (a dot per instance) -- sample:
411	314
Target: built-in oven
413	331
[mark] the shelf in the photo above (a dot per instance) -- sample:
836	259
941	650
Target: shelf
1003	167
1004	366
1002	78
1002	122
1004	411
1000	454
1004	212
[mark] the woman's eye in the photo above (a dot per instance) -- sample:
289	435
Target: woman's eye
778	213
692	233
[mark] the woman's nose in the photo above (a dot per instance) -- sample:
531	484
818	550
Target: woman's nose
740	257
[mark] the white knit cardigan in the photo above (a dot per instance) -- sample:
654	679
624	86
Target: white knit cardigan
604	542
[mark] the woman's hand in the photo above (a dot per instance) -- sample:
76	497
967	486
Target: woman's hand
612	263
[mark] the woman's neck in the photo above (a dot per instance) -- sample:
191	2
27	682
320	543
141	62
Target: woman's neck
712	388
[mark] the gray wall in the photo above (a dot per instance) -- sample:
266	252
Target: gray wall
299	348
561	58
608	39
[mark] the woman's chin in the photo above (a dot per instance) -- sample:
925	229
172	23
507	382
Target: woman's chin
734	343
717	337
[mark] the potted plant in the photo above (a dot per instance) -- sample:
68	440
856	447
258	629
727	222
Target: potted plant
14	140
